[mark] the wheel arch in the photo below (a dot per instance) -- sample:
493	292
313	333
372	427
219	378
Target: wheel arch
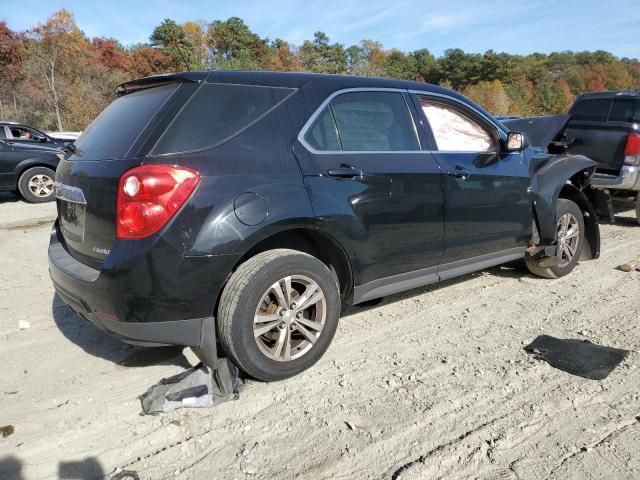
313	242
28	163
591	226
564	176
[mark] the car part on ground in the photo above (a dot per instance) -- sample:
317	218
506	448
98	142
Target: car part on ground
577	357
305	187
197	387
629	266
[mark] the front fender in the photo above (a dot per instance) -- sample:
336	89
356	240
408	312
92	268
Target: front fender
546	184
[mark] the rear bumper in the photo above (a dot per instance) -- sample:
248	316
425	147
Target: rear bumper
138	305
629	179
188	332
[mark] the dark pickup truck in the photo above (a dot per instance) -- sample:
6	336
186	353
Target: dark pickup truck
603	126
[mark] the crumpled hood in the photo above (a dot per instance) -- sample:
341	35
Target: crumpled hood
540	130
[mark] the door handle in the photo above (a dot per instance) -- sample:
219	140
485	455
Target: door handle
459	173
345	171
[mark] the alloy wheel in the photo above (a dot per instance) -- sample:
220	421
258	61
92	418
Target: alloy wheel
41	185
568	238
289	318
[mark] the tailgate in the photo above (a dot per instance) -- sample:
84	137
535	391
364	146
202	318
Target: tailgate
86	201
603	143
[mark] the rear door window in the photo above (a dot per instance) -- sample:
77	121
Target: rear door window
593	110
374	122
217	112
625	110
113	132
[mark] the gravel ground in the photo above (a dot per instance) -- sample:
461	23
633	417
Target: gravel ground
433	383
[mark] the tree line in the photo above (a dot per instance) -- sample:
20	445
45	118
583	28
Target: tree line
55	77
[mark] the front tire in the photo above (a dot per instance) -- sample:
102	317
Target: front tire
278	314
36	185
570	224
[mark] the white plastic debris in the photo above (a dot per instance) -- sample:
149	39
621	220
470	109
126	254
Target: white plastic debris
24	324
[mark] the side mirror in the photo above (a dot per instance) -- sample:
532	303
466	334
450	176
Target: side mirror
517	142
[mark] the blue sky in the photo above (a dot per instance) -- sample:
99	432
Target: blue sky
475	26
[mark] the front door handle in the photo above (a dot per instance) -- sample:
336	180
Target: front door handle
345	171
460	173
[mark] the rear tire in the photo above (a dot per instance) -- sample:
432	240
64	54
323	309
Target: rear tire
260	326
36	184
565	209
638	207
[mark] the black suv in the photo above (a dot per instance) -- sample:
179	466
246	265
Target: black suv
29	169
18	133
246	208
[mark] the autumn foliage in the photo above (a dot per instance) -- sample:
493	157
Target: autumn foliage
57	78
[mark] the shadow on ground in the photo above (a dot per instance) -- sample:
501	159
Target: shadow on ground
87	469
101	344
8	197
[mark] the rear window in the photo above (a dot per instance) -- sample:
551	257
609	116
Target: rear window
215	113
627	110
114	131
595	110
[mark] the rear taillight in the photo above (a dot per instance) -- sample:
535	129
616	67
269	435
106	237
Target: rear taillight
149	195
632	150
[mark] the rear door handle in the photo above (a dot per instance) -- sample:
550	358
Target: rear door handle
345	171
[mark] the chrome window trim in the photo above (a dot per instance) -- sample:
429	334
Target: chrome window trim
309	123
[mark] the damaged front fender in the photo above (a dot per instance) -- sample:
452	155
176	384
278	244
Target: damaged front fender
568	176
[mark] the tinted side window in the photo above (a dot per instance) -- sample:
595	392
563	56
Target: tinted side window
625	110
217	112
595	110
374	121
3	134
454	131
113	132
323	135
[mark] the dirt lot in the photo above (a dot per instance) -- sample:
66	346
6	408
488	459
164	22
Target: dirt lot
433	383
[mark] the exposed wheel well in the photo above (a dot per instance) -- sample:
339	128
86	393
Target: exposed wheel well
314	243
592	229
